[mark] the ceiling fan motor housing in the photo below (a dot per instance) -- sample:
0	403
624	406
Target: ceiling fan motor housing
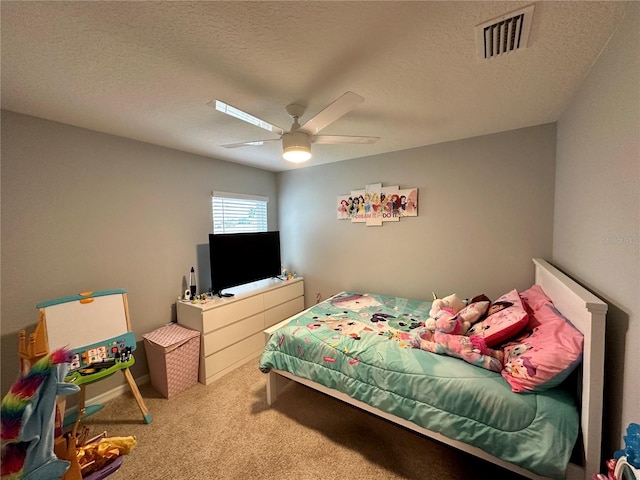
296	146
296	143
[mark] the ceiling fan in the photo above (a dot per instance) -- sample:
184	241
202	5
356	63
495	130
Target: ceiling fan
296	143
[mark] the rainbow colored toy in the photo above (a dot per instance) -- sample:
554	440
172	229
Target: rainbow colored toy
28	420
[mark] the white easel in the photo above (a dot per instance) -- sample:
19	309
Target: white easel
97	328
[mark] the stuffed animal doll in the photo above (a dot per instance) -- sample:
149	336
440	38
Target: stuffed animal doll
469	311
28	412
449	337
452	304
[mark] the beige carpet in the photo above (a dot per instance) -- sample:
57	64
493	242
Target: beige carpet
227	431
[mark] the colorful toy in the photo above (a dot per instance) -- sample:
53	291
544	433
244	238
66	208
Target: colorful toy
450	334
625	464
631	446
505	318
96	326
452	304
28	413
469	311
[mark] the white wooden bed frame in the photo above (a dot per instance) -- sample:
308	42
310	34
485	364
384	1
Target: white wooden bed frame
586	311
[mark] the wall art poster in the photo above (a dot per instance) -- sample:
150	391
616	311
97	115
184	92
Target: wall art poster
377	204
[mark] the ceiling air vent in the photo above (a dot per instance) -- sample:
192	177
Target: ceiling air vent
504	34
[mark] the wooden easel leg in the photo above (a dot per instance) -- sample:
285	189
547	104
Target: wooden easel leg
136	393
82	398
82	410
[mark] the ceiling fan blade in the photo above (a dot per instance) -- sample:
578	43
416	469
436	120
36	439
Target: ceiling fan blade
327	139
254	143
237	113
332	112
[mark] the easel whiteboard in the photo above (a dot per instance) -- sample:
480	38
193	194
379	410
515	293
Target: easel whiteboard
85	319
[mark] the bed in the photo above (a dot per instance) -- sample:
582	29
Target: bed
551	433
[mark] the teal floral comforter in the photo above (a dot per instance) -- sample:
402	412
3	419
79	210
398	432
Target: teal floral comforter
360	344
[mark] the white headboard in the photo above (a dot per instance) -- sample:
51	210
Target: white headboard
587	312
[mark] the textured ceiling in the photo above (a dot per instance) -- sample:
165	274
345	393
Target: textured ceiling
146	70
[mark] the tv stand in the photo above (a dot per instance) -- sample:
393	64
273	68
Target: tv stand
231	327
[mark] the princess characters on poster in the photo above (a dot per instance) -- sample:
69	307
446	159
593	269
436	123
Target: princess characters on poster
376	204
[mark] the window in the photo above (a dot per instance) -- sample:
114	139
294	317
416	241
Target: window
237	213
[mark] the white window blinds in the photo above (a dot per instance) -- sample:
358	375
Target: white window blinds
238	213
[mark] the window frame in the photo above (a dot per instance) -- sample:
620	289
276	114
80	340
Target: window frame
237	202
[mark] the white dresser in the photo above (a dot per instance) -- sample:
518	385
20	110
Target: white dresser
231	328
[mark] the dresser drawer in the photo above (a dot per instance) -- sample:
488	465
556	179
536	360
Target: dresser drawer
280	295
230	334
189	316
285	310
235	353
232	328
221	316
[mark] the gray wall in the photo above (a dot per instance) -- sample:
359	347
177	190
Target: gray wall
597	210
86	211
83	210
485	207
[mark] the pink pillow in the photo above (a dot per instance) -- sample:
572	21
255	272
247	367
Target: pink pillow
545	355
500	326
534	297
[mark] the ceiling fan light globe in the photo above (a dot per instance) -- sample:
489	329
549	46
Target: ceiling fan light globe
296	147
296	156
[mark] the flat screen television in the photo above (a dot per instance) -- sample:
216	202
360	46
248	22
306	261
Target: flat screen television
239	258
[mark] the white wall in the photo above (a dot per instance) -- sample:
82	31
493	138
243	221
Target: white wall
597	210
485	209
83	211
